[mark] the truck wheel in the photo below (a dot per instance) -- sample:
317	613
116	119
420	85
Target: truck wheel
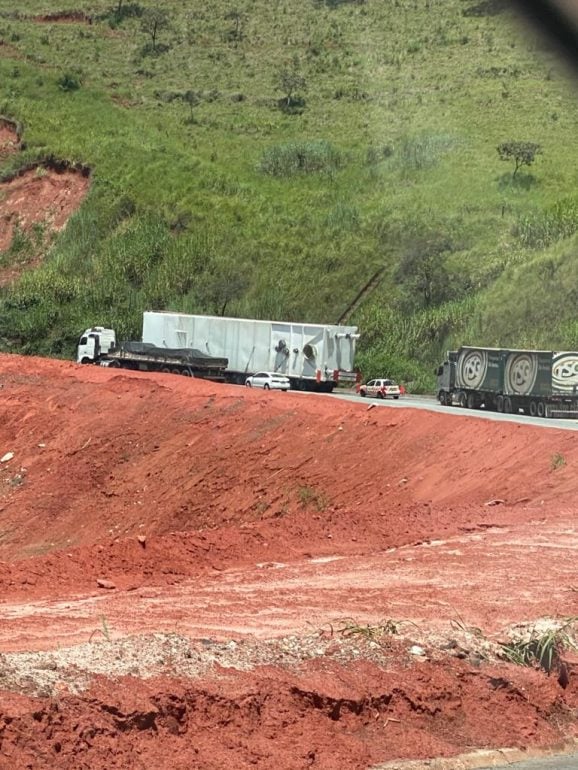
533	408
442	397
500	404
541	409
186	373
507	405
176	371
462	399
166	370
471	401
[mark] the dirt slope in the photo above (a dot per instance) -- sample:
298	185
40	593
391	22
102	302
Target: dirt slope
244	517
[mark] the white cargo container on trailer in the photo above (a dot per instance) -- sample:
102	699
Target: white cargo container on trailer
313	356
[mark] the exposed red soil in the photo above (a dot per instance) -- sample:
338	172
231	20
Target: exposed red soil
259	514
39	196
9	51
9	141
64	17
323	717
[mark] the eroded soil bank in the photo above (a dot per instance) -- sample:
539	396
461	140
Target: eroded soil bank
371	562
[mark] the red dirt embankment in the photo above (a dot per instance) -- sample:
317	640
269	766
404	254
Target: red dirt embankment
322	717
9	141
213	510
40	196
101	456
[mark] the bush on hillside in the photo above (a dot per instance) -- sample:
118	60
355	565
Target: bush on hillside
69	81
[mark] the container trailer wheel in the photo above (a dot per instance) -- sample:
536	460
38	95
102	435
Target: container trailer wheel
533	408
462	399
541	409
500	403
507	405
471	401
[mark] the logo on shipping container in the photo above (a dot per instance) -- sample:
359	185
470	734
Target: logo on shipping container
520	373
472	368
565	372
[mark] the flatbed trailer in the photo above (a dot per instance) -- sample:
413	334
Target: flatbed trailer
98	346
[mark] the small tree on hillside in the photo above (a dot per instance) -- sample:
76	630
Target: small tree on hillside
521	153
153	21
235	34
290	82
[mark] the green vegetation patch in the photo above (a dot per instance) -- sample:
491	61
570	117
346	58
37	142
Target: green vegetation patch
267	159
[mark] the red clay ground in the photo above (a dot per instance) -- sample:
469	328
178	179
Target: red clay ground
9	142
224	514
64	17
40	196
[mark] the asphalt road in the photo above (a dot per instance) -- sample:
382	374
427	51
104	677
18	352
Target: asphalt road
430	403
568	762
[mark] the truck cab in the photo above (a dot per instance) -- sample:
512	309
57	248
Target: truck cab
446	378
95	343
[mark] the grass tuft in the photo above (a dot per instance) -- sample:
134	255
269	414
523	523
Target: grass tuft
541	649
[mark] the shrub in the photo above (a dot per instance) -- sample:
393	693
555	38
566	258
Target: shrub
69	81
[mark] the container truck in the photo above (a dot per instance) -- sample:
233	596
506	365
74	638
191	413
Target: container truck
98	346
540	383
313	356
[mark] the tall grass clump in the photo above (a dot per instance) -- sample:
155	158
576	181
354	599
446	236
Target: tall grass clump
293	158
418	153
542	649
540	229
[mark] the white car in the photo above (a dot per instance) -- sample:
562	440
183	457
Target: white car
268	381
380	389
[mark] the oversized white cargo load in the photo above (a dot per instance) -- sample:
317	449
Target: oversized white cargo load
312	355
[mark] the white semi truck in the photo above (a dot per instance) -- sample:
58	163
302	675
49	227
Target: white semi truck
313	356
98	345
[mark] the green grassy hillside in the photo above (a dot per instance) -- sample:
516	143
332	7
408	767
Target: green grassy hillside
267	158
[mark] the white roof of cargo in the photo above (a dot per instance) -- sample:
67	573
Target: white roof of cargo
252	320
